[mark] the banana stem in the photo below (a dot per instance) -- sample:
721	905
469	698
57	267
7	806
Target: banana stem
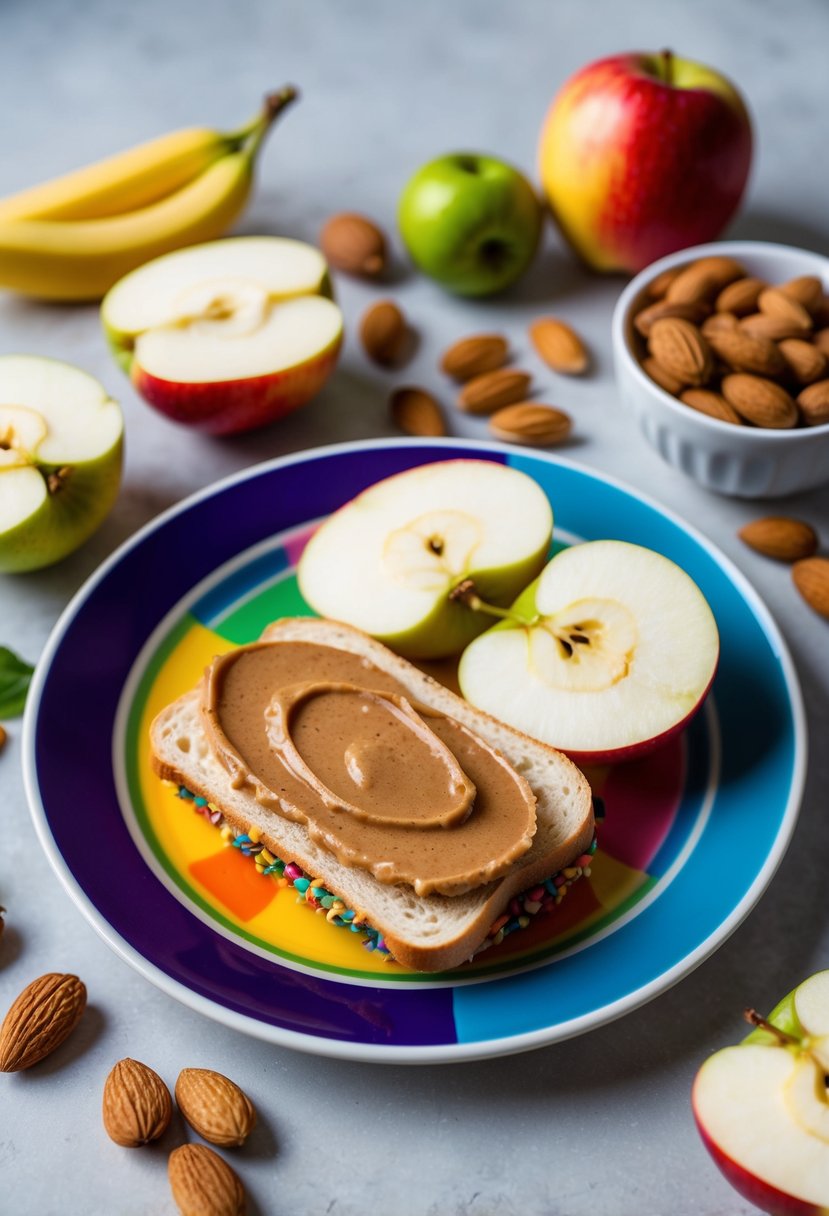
466	594
273	106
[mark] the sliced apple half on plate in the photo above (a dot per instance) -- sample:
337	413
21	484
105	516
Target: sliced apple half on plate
389	561
762	1107
227	336
61	439
605	656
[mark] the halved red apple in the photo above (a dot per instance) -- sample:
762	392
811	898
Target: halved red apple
229	335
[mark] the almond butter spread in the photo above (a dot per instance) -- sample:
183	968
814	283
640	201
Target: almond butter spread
325	738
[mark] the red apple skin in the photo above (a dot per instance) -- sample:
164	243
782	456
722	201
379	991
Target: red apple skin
766	1197
635	167
229	407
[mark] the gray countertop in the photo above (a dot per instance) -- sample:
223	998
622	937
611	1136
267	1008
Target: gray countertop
599	1125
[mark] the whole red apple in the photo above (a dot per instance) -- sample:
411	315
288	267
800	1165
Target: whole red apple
643	154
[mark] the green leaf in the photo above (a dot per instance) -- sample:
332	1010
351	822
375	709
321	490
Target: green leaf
15	676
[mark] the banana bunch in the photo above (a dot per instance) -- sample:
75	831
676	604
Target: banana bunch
72	238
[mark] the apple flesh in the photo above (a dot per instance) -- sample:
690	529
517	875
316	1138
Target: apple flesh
605	657
388	561
644	154
470	222
227	336
61	439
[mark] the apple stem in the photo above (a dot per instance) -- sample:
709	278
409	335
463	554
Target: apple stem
273	106
56	480
466	594
756	1019
667	60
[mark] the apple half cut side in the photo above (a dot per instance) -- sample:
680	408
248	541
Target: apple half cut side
605	657
229	335
61	442
389	560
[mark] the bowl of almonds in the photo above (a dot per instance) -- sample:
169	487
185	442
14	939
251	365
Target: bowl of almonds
722	355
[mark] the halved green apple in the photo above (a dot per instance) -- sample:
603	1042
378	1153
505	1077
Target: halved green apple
605	656
228	335
389	561
61	439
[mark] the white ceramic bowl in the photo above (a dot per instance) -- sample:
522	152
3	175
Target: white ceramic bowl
743	461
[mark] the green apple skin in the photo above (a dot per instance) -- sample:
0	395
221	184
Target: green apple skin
784	1017
66	518
470	222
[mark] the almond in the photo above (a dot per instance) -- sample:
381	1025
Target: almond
645	318
811	577
814	403
774	302
805	361
42	1017
136	1104
821	340
760	325
717	323
710	403
354	244
681	349
383	332
665	379
780	537
203	1184
416	412
703	279
807	289
531	424
746	353
821	317
658	286
760	401
473	356
215	1106
740	297
559	346
487	393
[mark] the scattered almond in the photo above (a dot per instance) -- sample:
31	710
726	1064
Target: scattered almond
665	379
774	302
807	289
473	356
710	403
532	424
136	1105
383	332
681	349
746	353
215	1106
740	297
814	403
821	340
780	537
203	1184
718	323
559	346
704	278
805	361
487	393
42	1017
354	244
761	325
811	577
645	318
760	401
416	412
658	286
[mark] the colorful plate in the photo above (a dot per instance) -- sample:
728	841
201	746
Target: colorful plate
691	836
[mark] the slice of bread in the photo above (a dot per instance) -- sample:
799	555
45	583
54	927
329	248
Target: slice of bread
428	933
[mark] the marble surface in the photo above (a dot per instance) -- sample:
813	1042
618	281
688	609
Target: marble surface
600	1125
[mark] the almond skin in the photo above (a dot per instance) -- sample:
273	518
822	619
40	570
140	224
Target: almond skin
215	1106
42	1017
781	537
645	318
665	379
383	332
354	244
761	325
136	1105
811	577
203	1184
474	355
704	279
559	346
658	286
807	289
814	403
774	302
681	349
530	423
740	297
710	403
821	341
760	401
805	361
486	394
718	323
745	353
416	412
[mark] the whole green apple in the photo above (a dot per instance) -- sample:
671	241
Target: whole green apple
470	222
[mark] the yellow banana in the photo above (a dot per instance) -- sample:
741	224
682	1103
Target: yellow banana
81	259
